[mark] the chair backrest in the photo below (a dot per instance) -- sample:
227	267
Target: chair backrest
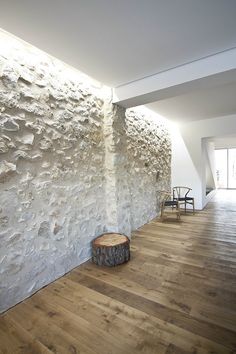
180	191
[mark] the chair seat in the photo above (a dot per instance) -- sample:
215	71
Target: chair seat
166	201
171	203
180	194
182	199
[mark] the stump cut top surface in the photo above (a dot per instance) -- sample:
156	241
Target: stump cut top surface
109	240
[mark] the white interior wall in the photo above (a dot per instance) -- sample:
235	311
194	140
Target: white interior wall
208	171
189	153
184	172
209	151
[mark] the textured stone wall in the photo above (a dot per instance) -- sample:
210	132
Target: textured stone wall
51	170
138	163
149	163
116	170
72	166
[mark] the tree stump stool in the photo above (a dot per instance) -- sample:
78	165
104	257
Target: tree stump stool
110	249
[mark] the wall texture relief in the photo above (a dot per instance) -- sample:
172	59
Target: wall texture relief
72	166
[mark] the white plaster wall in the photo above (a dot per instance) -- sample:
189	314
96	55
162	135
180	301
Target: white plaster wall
188	160
72	166
184	171
210	164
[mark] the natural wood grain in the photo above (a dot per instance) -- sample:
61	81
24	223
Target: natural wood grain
110	239
111	249
177	295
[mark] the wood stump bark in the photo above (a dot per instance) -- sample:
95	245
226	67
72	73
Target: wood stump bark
111	249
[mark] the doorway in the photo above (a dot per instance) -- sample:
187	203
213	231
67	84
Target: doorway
225	160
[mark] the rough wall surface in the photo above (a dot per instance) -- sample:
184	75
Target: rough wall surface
51	171
149	163
72	166
138	163
116	170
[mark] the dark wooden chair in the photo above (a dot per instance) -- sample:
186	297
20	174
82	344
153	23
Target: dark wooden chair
168	202
180	194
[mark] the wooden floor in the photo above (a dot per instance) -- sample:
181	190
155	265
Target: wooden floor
176	295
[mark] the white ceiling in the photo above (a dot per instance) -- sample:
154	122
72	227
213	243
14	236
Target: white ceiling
199	104
120	41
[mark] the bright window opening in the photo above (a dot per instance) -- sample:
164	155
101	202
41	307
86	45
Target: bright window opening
225	168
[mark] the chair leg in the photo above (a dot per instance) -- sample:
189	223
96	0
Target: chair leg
185	204
178	211
162	213
193	207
